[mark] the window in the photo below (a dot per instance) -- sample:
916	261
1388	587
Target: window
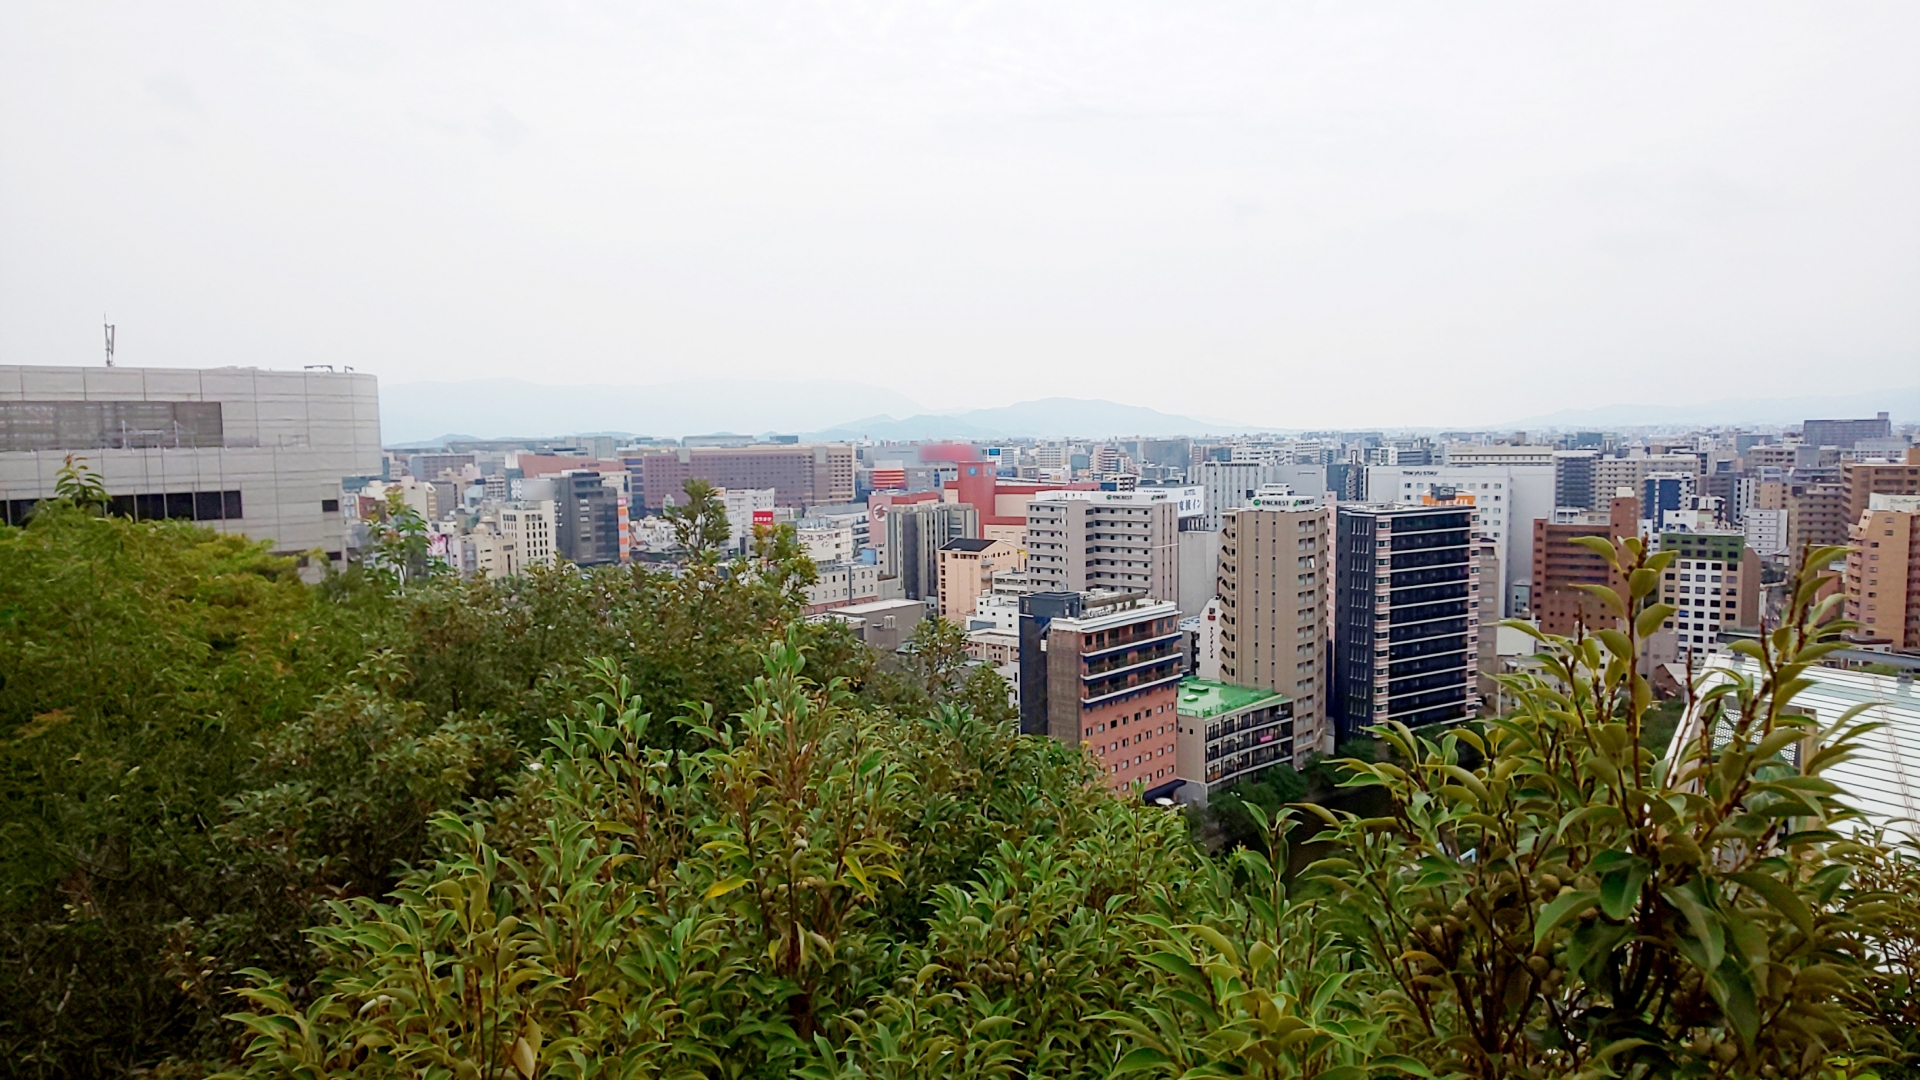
329	506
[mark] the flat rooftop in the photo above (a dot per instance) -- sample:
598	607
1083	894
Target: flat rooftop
1204	698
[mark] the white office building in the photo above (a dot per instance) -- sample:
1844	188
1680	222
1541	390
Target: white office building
239	450
1509	499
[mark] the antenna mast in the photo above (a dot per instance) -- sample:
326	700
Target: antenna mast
109	326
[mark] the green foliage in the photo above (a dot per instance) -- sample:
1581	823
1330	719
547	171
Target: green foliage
1577	904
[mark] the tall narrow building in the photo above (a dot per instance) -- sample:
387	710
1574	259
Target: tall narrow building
1272	588
1406	616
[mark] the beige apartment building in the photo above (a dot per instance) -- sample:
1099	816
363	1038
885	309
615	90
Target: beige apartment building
967	567
1121	541
1883	571
1273	604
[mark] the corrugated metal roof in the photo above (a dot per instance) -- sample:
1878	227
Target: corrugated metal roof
1883	780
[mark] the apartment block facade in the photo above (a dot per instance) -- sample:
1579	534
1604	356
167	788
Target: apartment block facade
1405	616
1227	734
1561	564
1883	571
1273	594
1120	542
915	534
1103	671
967	567
1714	586
1863	480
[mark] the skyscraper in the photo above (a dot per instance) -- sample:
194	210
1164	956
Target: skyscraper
1273	588
1406	621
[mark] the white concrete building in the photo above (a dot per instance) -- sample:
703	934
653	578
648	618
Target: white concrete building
239	450
1509	498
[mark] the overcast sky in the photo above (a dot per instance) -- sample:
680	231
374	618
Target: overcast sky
1273	213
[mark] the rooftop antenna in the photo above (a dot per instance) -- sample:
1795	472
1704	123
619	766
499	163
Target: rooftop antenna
109	326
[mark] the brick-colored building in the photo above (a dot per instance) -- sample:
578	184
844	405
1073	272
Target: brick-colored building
1103	671
1816	516
1883	571
800	475
1560	564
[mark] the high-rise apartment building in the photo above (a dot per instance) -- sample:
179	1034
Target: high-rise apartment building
1610	474
1864	479
1508	498
1714	586
1816	516
1121	541
1883	571
1844	433
800	475
240	450
1405	616
1573	479
1561	564
1273	606
1102	670
915	534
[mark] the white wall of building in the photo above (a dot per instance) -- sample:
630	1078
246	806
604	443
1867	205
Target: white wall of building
1509	499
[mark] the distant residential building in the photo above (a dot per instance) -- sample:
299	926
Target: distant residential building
800	475
239	450
526	532
1845	433
843	584
1573	479
1228	734
1406	619
1766	532
1119	541
966	568
825	541
1665	491
1816	517
1883	571
1273	586
1102	670
1714	586
1865	479
745	508
1561	564
1610	474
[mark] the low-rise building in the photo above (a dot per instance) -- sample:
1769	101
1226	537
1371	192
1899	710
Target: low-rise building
967	566
1228	734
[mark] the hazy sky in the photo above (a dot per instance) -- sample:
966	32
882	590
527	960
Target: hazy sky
1275	213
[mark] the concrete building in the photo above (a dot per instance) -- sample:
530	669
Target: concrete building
1560	565
592	518
1406	616
1844	433
240	450
745	508
915	534
1228	734
1499	454
1228	485
517	537
1573	479
1816	517
1273	588
1610	474
826	541
884	625
1714	584
1102	670
1121	541
1766	532
800	475
1199	569
966	569
1883	571
1863	480
843	584
1509	500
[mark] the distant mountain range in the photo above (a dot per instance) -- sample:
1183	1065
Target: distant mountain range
425	413
421	413
1032	419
